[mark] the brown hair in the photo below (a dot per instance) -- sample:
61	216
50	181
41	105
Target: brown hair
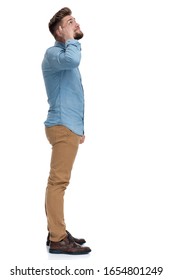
56	19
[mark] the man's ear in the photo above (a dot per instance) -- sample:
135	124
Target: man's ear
57	32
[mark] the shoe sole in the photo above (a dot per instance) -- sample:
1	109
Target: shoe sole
67	253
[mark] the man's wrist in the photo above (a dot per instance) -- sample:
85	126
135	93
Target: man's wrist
68	38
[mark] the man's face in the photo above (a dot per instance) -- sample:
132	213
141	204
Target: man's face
78	34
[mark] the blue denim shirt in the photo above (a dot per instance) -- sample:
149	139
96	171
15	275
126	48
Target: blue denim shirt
63	86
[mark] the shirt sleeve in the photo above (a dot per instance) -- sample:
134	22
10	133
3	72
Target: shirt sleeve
65	58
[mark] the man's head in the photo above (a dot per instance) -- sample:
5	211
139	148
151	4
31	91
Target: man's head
60	20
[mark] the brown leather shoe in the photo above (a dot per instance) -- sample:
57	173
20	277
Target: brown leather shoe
77	240
67	246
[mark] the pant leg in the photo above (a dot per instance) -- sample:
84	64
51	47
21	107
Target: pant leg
64	149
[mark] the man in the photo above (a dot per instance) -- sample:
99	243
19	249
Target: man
64	125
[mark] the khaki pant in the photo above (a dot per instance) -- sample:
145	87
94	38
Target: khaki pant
64	149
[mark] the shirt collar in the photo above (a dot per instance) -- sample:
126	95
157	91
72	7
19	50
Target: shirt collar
59	44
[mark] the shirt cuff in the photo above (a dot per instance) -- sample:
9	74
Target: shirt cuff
72	42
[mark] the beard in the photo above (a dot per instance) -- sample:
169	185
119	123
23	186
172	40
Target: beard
78	35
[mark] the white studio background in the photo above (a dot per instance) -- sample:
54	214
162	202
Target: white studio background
120	195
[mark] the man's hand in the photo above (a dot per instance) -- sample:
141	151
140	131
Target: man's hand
66	32
82	139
